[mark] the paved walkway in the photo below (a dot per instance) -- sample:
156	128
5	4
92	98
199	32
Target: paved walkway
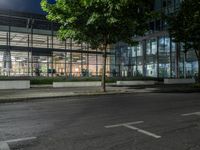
47	92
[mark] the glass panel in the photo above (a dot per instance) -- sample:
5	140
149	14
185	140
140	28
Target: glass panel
164	57
173	60
139	50
58	44
99	65
19	63
92	64
1	64
40	41
113	71
18	39
59	63
3	38
6	63
191	64
40	65
181	65
151	58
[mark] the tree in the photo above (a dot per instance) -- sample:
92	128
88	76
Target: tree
184	27
100	23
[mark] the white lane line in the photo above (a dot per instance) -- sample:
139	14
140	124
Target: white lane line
143	131
191	114
122	124
130	126
4	146
20	140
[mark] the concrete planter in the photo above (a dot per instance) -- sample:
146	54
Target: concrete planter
111	84
14	84
179	81
136	83
76	84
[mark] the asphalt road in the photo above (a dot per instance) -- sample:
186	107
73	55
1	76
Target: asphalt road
116	122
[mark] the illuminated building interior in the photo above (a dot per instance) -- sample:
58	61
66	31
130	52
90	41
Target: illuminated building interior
29	47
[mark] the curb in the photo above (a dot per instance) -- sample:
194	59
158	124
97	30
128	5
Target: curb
27	99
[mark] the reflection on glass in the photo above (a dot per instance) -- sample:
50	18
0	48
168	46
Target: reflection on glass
3	38
18	39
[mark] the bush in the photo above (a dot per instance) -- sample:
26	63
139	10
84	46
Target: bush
139	78
197	85
14	78
50	80
39	81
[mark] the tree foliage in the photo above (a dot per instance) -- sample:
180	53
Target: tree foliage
184	27
99	21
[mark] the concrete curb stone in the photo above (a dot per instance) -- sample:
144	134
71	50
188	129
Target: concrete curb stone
26	99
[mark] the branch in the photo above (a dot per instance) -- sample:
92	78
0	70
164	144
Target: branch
197	54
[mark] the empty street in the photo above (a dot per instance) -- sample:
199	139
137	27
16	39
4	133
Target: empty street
145	121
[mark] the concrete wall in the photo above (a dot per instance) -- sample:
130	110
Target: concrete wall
111	84
15	84
136	82
179	81
76	84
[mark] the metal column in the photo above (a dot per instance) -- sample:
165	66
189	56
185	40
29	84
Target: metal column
70	74
170	61
52	68
158	69
65	69
144	58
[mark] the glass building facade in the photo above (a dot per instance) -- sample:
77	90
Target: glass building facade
29	47
157	55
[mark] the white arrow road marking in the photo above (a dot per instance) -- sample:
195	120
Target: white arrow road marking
191	114
129	125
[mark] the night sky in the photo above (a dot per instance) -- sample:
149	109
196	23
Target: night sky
32	6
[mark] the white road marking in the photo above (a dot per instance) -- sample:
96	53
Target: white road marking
4	146
129	125
191	114
20	139
143	131
122	124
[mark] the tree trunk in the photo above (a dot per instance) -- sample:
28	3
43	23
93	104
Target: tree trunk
103	81
198	58
198	70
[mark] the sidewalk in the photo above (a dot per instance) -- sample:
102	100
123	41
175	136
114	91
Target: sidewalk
40	92
49	92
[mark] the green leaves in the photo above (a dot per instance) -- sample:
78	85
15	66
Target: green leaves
99	21
184	26
93	18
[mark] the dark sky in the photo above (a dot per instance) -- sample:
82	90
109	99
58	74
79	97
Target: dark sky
22	5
